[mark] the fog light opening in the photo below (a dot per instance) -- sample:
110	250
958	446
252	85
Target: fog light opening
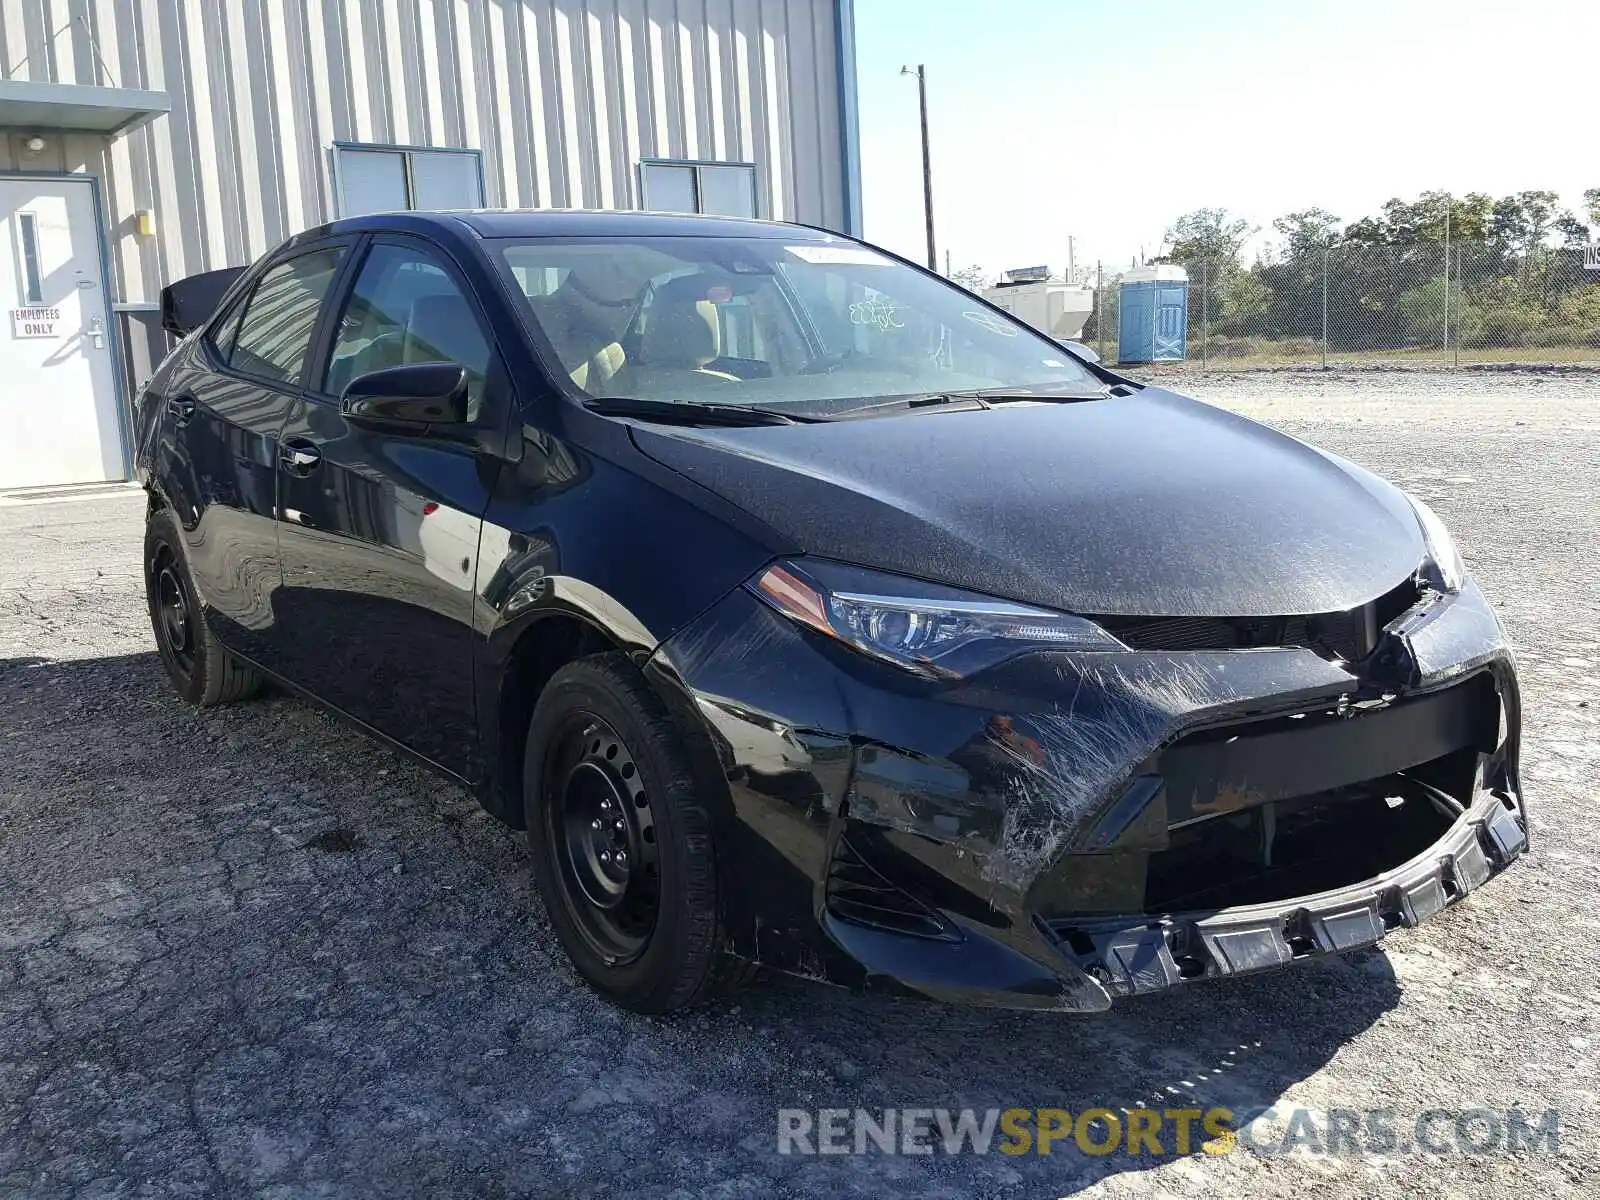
1080	943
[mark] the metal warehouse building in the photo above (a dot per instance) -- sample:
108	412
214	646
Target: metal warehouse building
145	140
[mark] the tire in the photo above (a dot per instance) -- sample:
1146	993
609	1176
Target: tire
605	771
200	667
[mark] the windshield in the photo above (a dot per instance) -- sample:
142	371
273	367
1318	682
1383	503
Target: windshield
769	322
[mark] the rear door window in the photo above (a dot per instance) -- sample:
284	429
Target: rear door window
273	339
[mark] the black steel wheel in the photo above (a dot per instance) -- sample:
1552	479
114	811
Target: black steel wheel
200	667
599	822
172	611
623	839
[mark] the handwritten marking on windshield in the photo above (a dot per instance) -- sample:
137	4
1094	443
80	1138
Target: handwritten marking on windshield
876	313
992	323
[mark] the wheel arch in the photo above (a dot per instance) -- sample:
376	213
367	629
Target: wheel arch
540	648
537	650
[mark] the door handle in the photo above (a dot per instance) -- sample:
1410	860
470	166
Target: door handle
299	458
181	409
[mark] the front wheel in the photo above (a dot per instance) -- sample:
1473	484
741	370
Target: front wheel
622	845
200	667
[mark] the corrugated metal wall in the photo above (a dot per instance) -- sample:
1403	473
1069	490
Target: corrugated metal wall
564	97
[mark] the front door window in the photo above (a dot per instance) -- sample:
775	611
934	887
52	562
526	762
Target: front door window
405	308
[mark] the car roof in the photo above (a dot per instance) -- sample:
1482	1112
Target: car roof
553	222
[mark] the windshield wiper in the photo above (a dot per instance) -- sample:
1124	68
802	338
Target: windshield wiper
923	400
692	412
979	397
1005	395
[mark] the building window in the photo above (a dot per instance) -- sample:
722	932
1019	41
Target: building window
393	178
32	283
723	189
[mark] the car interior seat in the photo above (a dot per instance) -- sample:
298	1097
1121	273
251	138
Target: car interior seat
678	338
580	330
443	328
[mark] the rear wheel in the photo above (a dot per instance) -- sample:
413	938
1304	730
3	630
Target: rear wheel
201	669
622	845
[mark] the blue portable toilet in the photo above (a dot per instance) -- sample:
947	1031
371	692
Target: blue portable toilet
1153	319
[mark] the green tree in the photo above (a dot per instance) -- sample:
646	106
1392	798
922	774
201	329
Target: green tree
1524	221
1423	310
973	278
1306	232
1573	232
1207	243
1246	304
1291	279
1424	220
1512	279
1209	234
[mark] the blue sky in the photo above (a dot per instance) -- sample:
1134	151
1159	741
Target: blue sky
1106	120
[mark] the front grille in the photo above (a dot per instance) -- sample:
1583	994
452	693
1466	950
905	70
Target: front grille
1208	633
1273	807
858	893
1351	635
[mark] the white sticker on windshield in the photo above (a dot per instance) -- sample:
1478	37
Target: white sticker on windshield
1051	362
993	322
833	256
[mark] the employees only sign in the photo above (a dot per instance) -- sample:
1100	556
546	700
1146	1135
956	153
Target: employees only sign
35	322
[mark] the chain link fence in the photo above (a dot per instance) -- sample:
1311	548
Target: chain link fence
1348	302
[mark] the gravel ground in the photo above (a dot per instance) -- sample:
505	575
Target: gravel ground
246	952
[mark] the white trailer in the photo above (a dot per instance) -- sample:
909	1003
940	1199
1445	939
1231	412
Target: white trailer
1057	310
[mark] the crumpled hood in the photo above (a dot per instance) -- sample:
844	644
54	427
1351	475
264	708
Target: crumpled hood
1152	504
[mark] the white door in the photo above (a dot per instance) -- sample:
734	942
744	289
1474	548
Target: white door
59	414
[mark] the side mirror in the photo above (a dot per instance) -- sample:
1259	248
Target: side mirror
414	395
1078	349
191	302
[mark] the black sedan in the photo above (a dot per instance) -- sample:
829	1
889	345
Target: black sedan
809	612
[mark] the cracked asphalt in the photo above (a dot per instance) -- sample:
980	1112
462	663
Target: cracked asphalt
247	953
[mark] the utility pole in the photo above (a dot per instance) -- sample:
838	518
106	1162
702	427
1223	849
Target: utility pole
1457	350
1448	205
921	72
1100	307
1327	247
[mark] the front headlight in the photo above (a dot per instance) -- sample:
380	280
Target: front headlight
1444	568
923	627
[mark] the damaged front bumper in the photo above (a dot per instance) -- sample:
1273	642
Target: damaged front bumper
1128	956
1072	827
